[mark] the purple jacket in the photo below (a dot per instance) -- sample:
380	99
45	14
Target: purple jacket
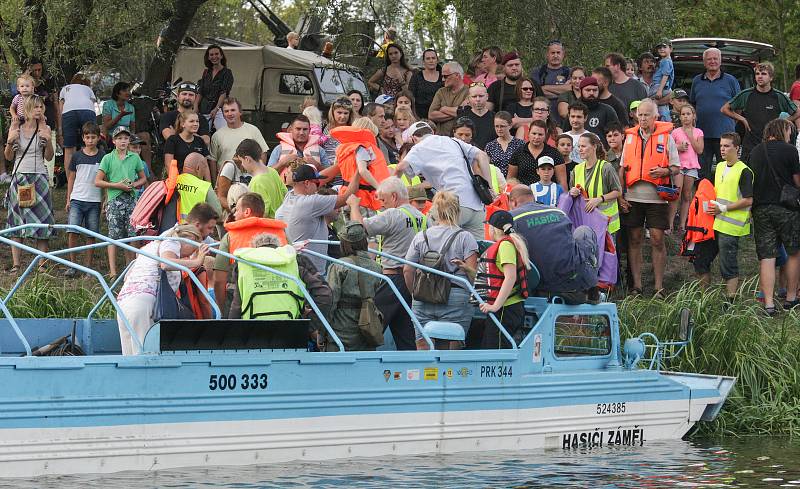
574	208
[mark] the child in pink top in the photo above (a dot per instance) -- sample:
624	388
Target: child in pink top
25	86
689	140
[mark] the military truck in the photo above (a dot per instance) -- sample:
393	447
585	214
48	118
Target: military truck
272	82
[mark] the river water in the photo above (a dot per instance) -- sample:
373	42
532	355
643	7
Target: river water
749	462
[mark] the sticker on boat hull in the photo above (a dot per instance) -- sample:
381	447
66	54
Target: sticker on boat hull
431	374
412	374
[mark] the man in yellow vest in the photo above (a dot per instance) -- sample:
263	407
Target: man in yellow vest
733	184
192	189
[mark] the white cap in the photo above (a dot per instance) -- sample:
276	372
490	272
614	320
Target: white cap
414	128
545	160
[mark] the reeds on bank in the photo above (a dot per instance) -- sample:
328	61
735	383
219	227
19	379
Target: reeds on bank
735	339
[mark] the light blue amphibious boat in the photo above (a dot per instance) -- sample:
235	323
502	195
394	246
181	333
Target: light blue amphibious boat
222	392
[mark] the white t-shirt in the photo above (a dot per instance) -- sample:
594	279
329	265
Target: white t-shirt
77	97
145	274
440	160
225	140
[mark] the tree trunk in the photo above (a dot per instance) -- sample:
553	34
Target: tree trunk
161	65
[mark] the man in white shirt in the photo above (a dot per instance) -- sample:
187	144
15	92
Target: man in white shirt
226	139
442	161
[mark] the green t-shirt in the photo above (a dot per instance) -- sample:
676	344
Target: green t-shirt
117	170
507	253
271	188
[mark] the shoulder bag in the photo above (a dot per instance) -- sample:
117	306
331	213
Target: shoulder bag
26	194
370	319
481	186
430	287
790	195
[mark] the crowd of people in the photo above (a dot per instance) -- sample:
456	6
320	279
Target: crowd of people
399	175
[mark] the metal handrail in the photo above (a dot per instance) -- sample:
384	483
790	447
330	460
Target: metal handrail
461	280
107	290
383	278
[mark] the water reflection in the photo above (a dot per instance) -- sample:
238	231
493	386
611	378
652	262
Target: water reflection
730	463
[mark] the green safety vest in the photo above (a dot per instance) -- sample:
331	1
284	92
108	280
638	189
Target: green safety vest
406	181
265	294
495	183
595	189
192	191
726	186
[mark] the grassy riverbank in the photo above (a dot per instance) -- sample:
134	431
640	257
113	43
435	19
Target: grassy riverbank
763	353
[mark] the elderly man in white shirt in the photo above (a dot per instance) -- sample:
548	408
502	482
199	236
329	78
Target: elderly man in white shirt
443	161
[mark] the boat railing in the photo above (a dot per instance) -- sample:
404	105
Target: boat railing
383	278
104	241
453	278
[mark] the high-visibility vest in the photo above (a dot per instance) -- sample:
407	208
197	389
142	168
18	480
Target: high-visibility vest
595	189
495	180
408	182
241	233
191	191
266	294
417	224
726	186
350	139
639	158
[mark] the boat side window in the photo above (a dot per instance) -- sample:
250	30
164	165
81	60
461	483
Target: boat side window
582	335
294	84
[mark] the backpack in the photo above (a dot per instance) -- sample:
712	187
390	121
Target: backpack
149	210
430	287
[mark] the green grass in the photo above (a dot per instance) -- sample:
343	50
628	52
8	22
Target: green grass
43	296
763	353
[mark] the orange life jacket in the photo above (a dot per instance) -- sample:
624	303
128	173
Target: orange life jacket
639	158
311	151
699	223
241	233
501	203
490	278
350	139
199	305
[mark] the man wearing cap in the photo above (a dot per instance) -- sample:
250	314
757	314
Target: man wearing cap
478	112
710	90
502	95
649	158
418	199
306	215
600	114
442	162
566	259
448	99
187	93
397	225
625	88
755	107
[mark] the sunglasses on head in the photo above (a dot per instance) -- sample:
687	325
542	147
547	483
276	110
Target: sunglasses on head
477	84
187	87
343	102
464	121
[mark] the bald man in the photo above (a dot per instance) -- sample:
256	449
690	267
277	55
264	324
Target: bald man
483	118
194	187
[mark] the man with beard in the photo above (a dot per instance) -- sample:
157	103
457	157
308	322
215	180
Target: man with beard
603	77
187	93
600	114
502	95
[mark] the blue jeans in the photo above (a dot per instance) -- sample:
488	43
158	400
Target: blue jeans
86	214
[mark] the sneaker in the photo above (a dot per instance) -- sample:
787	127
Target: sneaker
781	294
771	311
791	304
660	294
70	273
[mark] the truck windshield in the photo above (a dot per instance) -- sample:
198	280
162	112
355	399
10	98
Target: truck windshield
334	83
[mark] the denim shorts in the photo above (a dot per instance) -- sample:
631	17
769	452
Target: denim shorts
72	126
86	214
691	172
457	310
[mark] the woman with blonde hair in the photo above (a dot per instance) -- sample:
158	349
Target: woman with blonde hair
340	114
460	256
185	141
503	273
